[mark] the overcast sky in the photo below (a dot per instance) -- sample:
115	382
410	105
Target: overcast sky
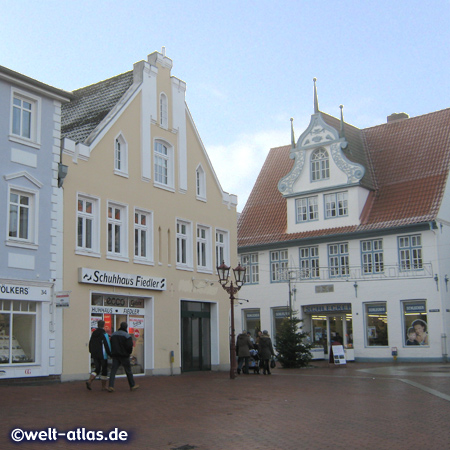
248	65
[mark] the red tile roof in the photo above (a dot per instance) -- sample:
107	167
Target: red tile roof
408	163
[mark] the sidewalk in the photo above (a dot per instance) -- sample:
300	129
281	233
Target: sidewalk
357	406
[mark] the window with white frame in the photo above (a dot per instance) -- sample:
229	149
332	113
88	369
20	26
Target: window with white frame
143	236
200	181
307	209
251	263
163	164
376	324
21	217
87	224
336	205
163	111
372	256
320	165
410	252
338	260
279	266
309	262
222	247
204	250
120	155
117	230
25	118
184	244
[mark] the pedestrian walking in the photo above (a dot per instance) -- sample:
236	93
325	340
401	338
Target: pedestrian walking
100	349
121	348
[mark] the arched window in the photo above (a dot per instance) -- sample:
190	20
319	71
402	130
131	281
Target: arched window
320	165
163	113
200	180
120	155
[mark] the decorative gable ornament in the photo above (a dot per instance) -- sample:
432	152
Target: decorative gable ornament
319	134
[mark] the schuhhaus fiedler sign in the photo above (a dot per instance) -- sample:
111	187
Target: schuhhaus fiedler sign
103	277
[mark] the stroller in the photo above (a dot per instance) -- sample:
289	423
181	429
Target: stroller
253	362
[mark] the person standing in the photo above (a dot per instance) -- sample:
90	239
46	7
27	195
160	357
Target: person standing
265	351
100	349
121	348
243	346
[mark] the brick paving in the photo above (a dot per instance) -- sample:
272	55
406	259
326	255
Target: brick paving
357	406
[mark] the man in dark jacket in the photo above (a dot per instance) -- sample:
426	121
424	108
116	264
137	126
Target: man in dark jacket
99	349
121	348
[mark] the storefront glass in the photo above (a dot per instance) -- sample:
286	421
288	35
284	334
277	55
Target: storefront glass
376	324
415	323
278	315
17	331
252	322
114	310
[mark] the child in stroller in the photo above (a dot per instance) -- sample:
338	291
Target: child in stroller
253	362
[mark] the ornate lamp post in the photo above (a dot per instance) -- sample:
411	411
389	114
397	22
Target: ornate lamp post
224	274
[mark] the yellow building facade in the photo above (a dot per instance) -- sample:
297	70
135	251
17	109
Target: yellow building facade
146	222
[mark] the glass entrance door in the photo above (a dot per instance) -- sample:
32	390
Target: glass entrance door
195	336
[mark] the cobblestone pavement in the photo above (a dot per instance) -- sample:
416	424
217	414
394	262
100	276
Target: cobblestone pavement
357	406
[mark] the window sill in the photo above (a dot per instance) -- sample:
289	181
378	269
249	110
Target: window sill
166	187
24	141
20	244
92	254
117	257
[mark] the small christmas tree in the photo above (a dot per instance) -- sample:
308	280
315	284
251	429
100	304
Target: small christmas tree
292	347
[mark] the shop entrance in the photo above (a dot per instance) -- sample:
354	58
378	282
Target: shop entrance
329	329
195	336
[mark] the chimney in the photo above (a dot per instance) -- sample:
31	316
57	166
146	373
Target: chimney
397	116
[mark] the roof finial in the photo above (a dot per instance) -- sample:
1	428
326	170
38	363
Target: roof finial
342	131
316	101
292	134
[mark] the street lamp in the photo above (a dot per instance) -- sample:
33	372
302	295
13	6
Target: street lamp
224	278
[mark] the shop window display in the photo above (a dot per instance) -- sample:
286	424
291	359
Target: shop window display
116	309
415	323
17	332
376	325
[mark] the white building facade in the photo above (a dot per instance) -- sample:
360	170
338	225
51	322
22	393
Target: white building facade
349	229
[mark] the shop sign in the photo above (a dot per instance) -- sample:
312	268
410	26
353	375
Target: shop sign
116	310
415	308
104	277
376	309
22	292
253	316
62	299
281	314
343	307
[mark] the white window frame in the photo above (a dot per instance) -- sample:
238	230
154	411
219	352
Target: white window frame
279	265
204	249
336	205
410	252
139	230
320	165
200	183
163	111
372	256
32	223
222	244
338	260
94	216
184	244
309	262
251	263
114	223
164	177
307	209
34	140
120	155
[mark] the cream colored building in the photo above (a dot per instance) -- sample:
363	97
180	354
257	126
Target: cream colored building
146	222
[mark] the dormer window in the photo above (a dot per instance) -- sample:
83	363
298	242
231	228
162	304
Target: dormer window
320	165
163	114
